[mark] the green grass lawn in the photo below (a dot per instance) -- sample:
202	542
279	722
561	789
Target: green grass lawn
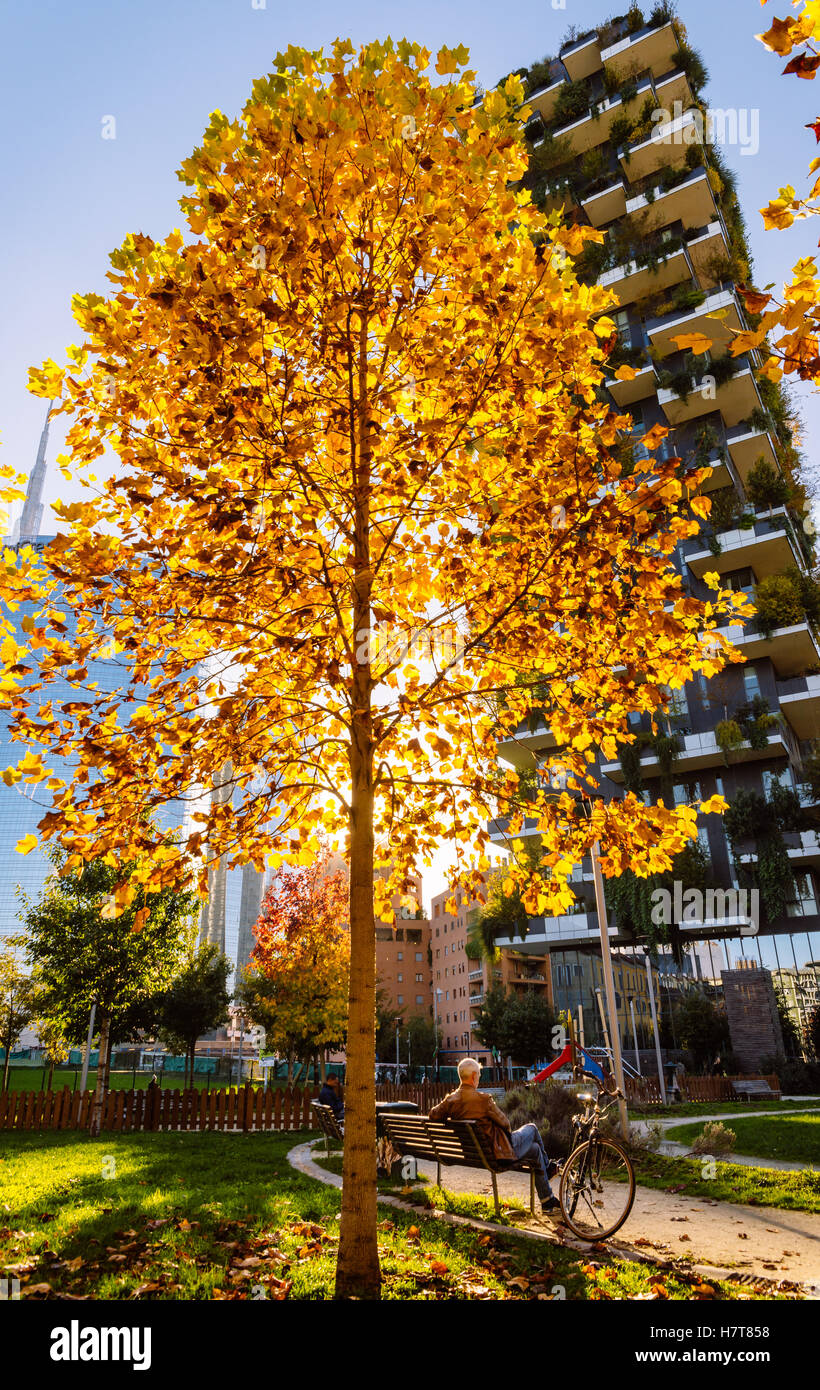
210	1216
715	1107
31	1079
733	1182
791	1137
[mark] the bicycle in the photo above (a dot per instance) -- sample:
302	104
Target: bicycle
597	1187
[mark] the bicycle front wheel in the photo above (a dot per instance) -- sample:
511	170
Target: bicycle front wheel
597	1189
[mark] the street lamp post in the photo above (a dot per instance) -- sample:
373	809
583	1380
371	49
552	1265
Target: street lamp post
436	996
87	1057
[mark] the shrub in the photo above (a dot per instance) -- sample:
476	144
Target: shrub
714	1139
766	487
778	604
550	1106
728	734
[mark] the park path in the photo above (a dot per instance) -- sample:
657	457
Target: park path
756	1240
717	1237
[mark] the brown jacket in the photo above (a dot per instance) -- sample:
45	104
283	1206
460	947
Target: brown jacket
467	1103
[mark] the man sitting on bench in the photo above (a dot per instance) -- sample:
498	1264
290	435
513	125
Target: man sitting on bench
523	1145
329	1095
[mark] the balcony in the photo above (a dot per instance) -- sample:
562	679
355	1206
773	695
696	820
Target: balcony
577	929
631	281
606	204
804	849
582	57
593	127
702	751
800	702
650	47
544	98
661	331
476	999
691	202
672	87
666	147
791	650
766	547
735	399
476	975
704	248
746	445
637	389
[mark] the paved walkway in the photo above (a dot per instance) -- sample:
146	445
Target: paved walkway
674	1150
717	1237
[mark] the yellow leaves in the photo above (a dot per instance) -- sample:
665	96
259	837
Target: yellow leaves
784	35
701	506
780	212
449	60
716	805
626	373
117	902
696	342
31	767
27	844
46	381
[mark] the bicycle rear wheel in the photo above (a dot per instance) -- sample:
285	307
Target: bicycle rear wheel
597	1189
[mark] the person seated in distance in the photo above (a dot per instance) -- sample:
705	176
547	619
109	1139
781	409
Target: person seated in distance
331	1095
506	1144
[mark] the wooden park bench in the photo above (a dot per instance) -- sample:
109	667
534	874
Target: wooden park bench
454	1143
326	1121
758	1089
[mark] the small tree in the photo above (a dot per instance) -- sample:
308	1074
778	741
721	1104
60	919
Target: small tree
812	1032
17	1001
529	1024
492	1020
386	1019
83	954
56	1047
420	1041
196	1001
297	983
701	1028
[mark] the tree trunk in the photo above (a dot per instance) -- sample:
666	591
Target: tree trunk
51	1076
291	1060
102	1077
322	1068
357	1271
6	1065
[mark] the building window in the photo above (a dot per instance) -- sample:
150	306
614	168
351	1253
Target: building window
399	978
419	979
400	955
418	955
399	998
751	683
419	999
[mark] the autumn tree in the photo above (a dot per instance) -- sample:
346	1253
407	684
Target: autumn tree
195	1001
787	329
83	954
366	516
17	1000
298	982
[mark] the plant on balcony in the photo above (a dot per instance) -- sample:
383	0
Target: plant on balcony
634	19
759	421
686	297
595	164
755	722
752	818
727	509
619	131
680	382
722	368
573	102
778	603
624	355
661	14
785	599
629	756
631	898
728	735
706	440
628	90
692	64
766	486
541	74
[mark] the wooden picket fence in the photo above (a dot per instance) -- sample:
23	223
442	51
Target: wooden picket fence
647	1091
249	1109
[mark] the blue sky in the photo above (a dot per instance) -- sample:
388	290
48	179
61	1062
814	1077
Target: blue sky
159	67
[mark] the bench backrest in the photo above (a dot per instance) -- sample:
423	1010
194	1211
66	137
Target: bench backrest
761	1088
327	1121
441	1141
